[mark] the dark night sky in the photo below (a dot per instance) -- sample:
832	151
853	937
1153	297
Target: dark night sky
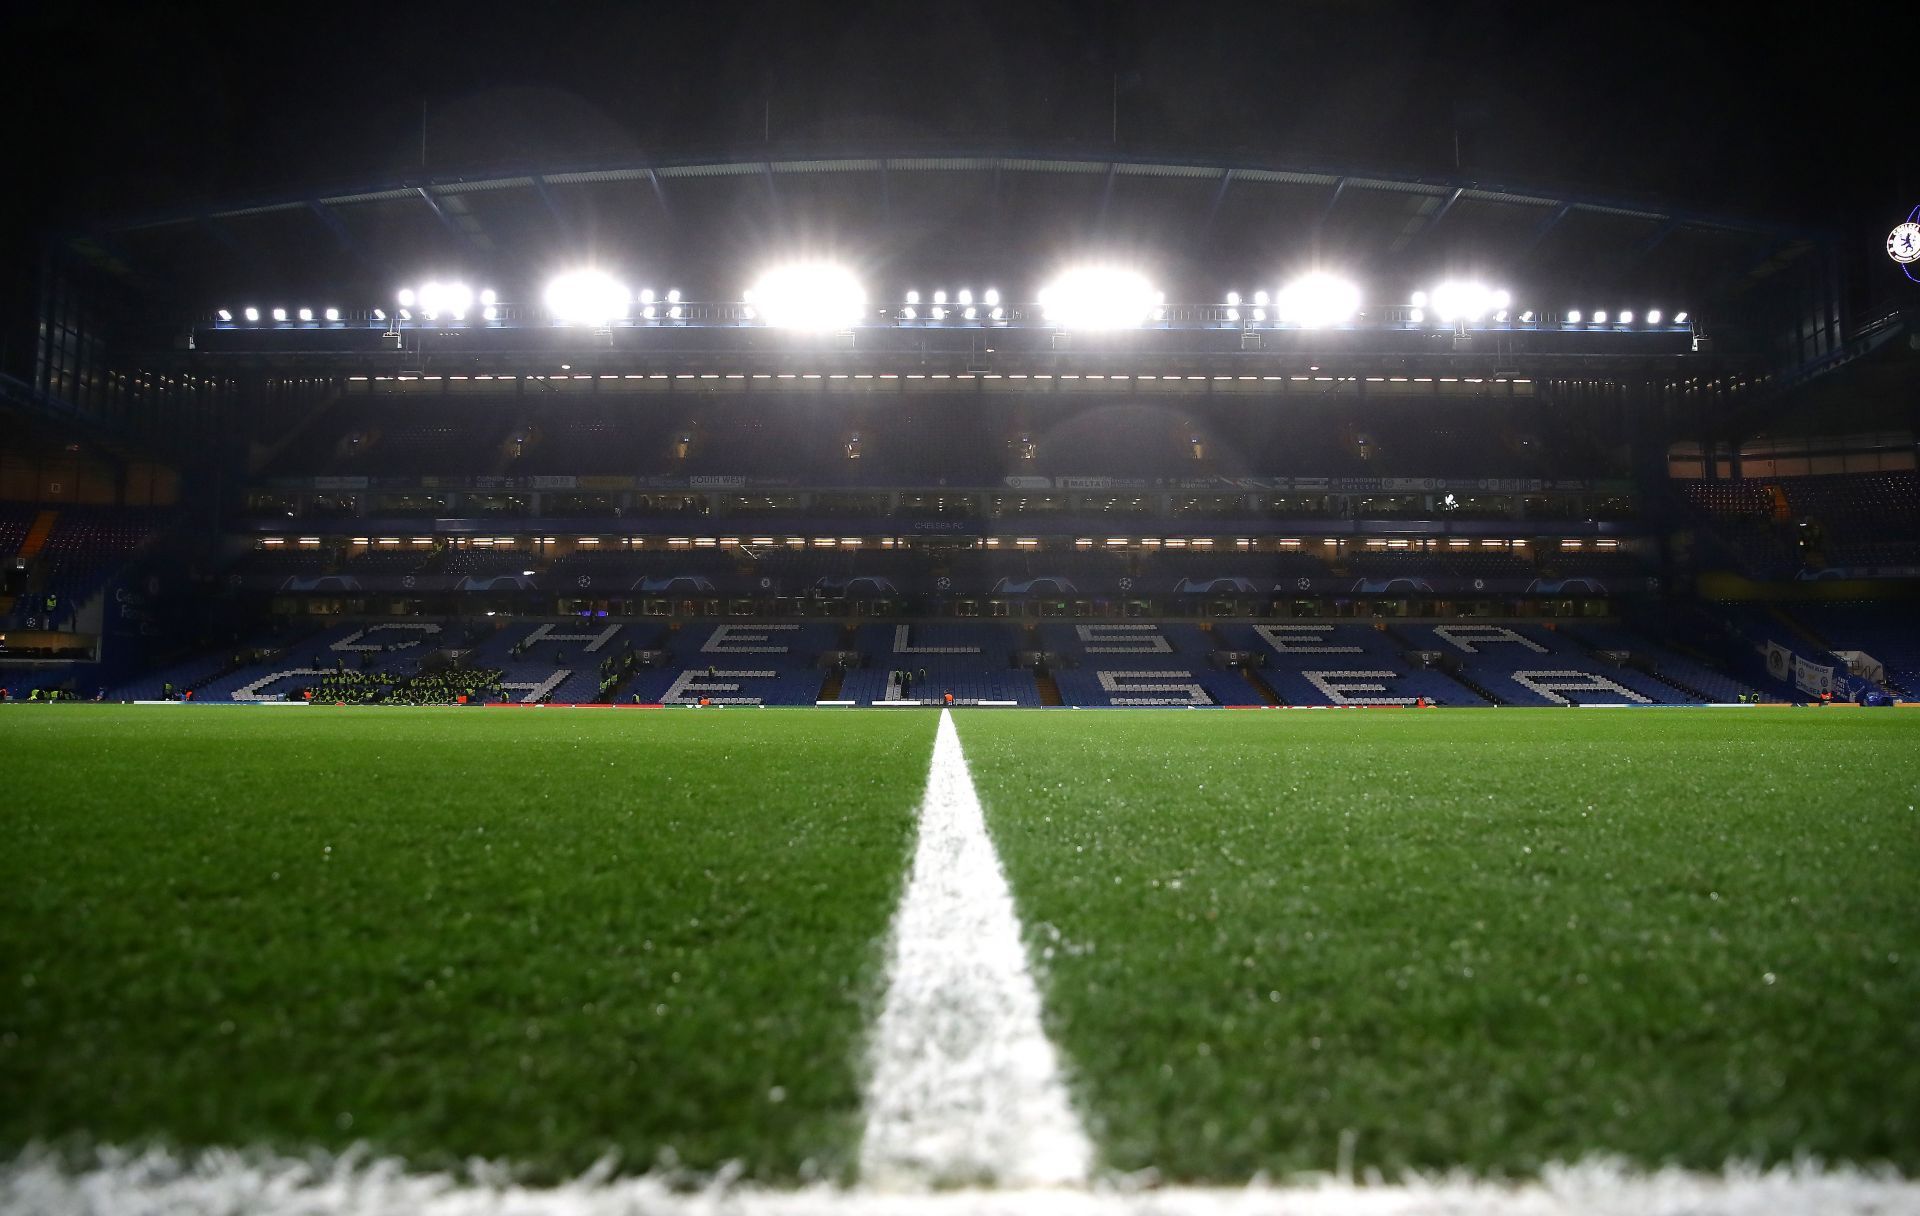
1719	106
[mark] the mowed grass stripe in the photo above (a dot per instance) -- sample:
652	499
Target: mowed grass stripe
1490	939
532	937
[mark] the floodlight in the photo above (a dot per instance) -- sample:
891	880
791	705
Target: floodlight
279	314
810	295
1419	299
1259	314
1653	316
1573	316
998	313
407	297
1501	316
1317	300
940	296
405	315
969	313
1099	297
990	297
487	298
224	315
586	297
1502	298
939	313
675	313
1233	299
1680	318
1417	315
1626	318
913	297
646	295
908	312
966	295
379	314
1526	318
1600	317
1233	314
454	298
490	313
305	314
332	314
1261	298
1461	300
673	295
649	312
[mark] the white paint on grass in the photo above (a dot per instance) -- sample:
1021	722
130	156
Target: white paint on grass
156	1183
965	1087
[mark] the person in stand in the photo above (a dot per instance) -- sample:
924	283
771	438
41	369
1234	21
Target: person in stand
948	698
166	691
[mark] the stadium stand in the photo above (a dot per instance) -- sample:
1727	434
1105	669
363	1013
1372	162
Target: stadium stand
1319	663
1531	665
974	663
1132	663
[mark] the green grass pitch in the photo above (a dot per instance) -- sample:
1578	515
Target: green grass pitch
1480	938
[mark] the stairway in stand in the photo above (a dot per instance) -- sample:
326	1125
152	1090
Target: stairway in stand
36	537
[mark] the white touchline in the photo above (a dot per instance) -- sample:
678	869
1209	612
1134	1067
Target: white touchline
965	1087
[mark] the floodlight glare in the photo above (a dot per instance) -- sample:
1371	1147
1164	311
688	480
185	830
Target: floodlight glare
454	298
1626	318
1417	315
586	297
908	312
913	297
1459	300
1259	314
252	314
1573	316
1261	298
810	295
649	312
939	313
1526	318
490	313
991	297
940	297
1680	318
332	314
1233	299
1233	314
966	295
224	315
1419	299
1501	316
673	295
1502	298
379	314
969	313
646	295
406	297
1653	316
488	298
405	315
1600	317
306	314
279	314
998	313
1099	297
1317	300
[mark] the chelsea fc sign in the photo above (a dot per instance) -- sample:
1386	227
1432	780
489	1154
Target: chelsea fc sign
1903	244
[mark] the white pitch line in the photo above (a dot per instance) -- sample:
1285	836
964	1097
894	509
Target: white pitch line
228	1183
965	1087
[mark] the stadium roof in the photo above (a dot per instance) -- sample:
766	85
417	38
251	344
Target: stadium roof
701	221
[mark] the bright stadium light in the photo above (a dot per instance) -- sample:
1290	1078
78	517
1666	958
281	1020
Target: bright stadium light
252	314
970	313
940	296
1502	298
1626	318
488	299
1573	316
1262	298
279	314
452	298
991	297
586	297
1259	314
1233	314
1526	318
1418	299
998	313
1501	316
1653	316
673	295
405	315
646	295
809	295
913	297
306	314
1461	300
1317	300
966	296
939	312
1233	299
407	297
1600	317
1099	297
1417	315
224	315
379	314
909	312
1680	318
490	313
332	314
